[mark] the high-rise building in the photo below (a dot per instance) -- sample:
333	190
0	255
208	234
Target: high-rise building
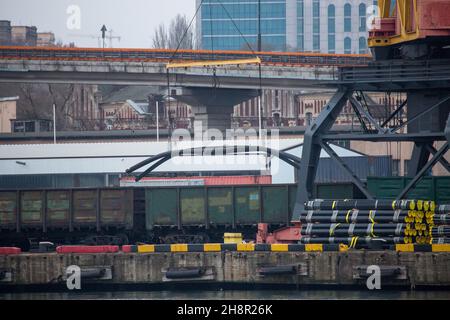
327	26
24	35
45	39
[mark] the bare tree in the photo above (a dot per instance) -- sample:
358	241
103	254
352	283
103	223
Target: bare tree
178	34
160	40
61	97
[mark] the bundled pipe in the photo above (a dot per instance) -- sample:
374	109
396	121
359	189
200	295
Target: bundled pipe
443	209
440	240
440	231
352	229
356	216
438	219
357	242
364	204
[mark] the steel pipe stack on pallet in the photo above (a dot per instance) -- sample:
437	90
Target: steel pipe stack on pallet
375	223
440	225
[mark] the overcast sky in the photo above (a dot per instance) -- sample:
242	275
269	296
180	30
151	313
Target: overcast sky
133	20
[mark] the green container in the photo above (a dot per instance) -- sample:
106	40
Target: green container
85	207
8	206
428	188
424	189
385	188
58	208
161	207
247	205
292	198
442	187
192	204
220	206
275	204
31	208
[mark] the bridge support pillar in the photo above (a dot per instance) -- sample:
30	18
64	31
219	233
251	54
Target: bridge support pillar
213	107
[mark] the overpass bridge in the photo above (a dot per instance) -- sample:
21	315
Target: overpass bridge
232	83
148	67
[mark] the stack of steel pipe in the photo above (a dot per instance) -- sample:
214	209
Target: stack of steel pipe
438	223
361	223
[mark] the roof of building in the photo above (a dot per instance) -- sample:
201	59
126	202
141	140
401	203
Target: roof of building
117	157
139	107
3	99
135	93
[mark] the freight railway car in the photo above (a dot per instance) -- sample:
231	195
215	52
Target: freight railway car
156	215
66	216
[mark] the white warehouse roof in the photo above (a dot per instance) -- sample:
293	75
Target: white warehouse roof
66	158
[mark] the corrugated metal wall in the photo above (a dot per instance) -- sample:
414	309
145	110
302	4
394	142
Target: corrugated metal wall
329	171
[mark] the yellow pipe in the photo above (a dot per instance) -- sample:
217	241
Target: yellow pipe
256	60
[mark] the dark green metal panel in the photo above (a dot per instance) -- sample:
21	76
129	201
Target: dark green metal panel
220	205
31	208
275	204
161	207
385	188
58	208
442	187
428	188
192	202
247	205
334	191
84	207
8	204
424	189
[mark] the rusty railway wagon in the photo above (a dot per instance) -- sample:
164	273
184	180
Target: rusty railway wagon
156	215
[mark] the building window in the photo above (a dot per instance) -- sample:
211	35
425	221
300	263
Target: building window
347	45
362	45
300	26
316	25
362	17
331	28
347	18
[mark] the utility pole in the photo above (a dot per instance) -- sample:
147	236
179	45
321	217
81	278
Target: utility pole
54	123
259	25
157	120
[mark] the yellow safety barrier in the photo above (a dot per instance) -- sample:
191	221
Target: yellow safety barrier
146	248
279	247
407	247
212	247
245	247
178	247
314	247
445	247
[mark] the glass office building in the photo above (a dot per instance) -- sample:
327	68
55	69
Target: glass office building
328	26
231	24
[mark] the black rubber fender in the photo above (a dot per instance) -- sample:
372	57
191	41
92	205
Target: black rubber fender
184	273
93	273
265	271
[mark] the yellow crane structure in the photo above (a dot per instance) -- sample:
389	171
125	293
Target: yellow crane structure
417	28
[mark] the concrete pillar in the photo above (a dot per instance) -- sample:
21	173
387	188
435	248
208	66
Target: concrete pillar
213	106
